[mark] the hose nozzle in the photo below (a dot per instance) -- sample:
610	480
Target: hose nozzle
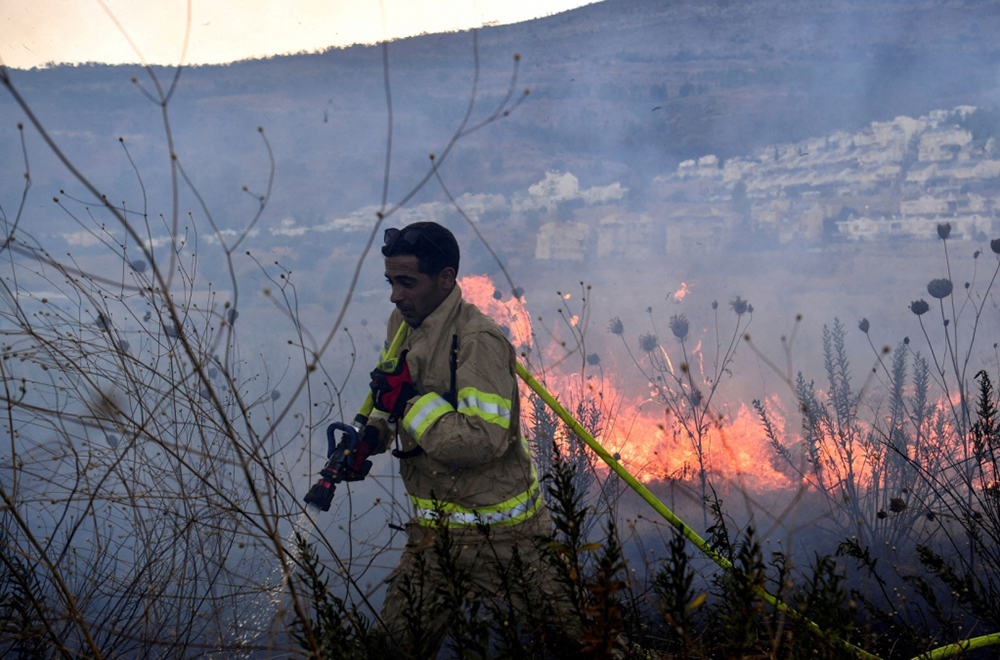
321	493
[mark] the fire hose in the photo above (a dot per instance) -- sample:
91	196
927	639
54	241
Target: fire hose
321	495
941	653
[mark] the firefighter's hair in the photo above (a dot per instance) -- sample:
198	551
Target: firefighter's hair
434	246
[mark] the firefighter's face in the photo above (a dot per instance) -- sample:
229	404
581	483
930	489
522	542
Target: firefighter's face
416	294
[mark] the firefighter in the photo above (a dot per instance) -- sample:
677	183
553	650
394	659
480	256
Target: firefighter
450	403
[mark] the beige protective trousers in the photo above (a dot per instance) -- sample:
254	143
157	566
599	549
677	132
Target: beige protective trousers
436	561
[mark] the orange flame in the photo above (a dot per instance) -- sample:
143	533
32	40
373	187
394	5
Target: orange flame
681	292
505	309
657	443
653	444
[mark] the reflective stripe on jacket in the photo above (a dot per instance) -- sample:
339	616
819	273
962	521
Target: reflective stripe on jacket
475	468
516	509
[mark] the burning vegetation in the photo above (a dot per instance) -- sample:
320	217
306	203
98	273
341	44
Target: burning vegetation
898	470
150	475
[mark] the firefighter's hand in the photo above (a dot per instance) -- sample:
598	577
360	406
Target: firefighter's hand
392	386
356	465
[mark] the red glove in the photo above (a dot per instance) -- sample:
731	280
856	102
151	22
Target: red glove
356	464
392	386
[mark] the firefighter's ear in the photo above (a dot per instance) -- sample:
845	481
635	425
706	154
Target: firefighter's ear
446	279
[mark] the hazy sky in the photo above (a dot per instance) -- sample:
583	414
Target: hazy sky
35	32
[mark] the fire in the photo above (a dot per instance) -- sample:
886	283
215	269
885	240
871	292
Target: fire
659	438
506	309
681	292
652	443
655	445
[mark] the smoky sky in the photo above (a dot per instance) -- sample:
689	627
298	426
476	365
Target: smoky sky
619	93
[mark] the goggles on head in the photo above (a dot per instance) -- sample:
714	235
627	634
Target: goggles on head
411	236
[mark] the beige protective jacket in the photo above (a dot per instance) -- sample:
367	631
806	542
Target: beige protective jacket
474	467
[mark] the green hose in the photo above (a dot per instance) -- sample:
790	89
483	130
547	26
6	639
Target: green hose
948	651
390	352
951	650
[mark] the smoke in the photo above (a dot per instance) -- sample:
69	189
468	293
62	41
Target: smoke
667	157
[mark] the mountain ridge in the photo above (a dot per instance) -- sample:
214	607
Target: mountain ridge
620	90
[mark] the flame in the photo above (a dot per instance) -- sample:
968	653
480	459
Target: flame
655	445
506	309
652	443
658	438
681	292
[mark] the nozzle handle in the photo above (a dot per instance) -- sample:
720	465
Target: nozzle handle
331	437
321	493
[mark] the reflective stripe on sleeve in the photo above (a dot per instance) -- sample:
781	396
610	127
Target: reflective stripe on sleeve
424	412
492	408
515	510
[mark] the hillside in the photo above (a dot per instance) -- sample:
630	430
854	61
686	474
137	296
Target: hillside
624	89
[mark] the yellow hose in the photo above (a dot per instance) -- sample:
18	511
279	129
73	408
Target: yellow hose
948	651
397	341
941	653
951	650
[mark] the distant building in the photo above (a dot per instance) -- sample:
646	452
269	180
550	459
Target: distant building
772	215
563	241
928	205
706	167
561	188
699	227
964	227
547	194
942	144
894	179
629	235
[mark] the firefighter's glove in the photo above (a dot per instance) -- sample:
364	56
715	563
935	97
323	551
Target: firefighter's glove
392	386
356	465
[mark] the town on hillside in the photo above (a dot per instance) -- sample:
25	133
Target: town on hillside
893	180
